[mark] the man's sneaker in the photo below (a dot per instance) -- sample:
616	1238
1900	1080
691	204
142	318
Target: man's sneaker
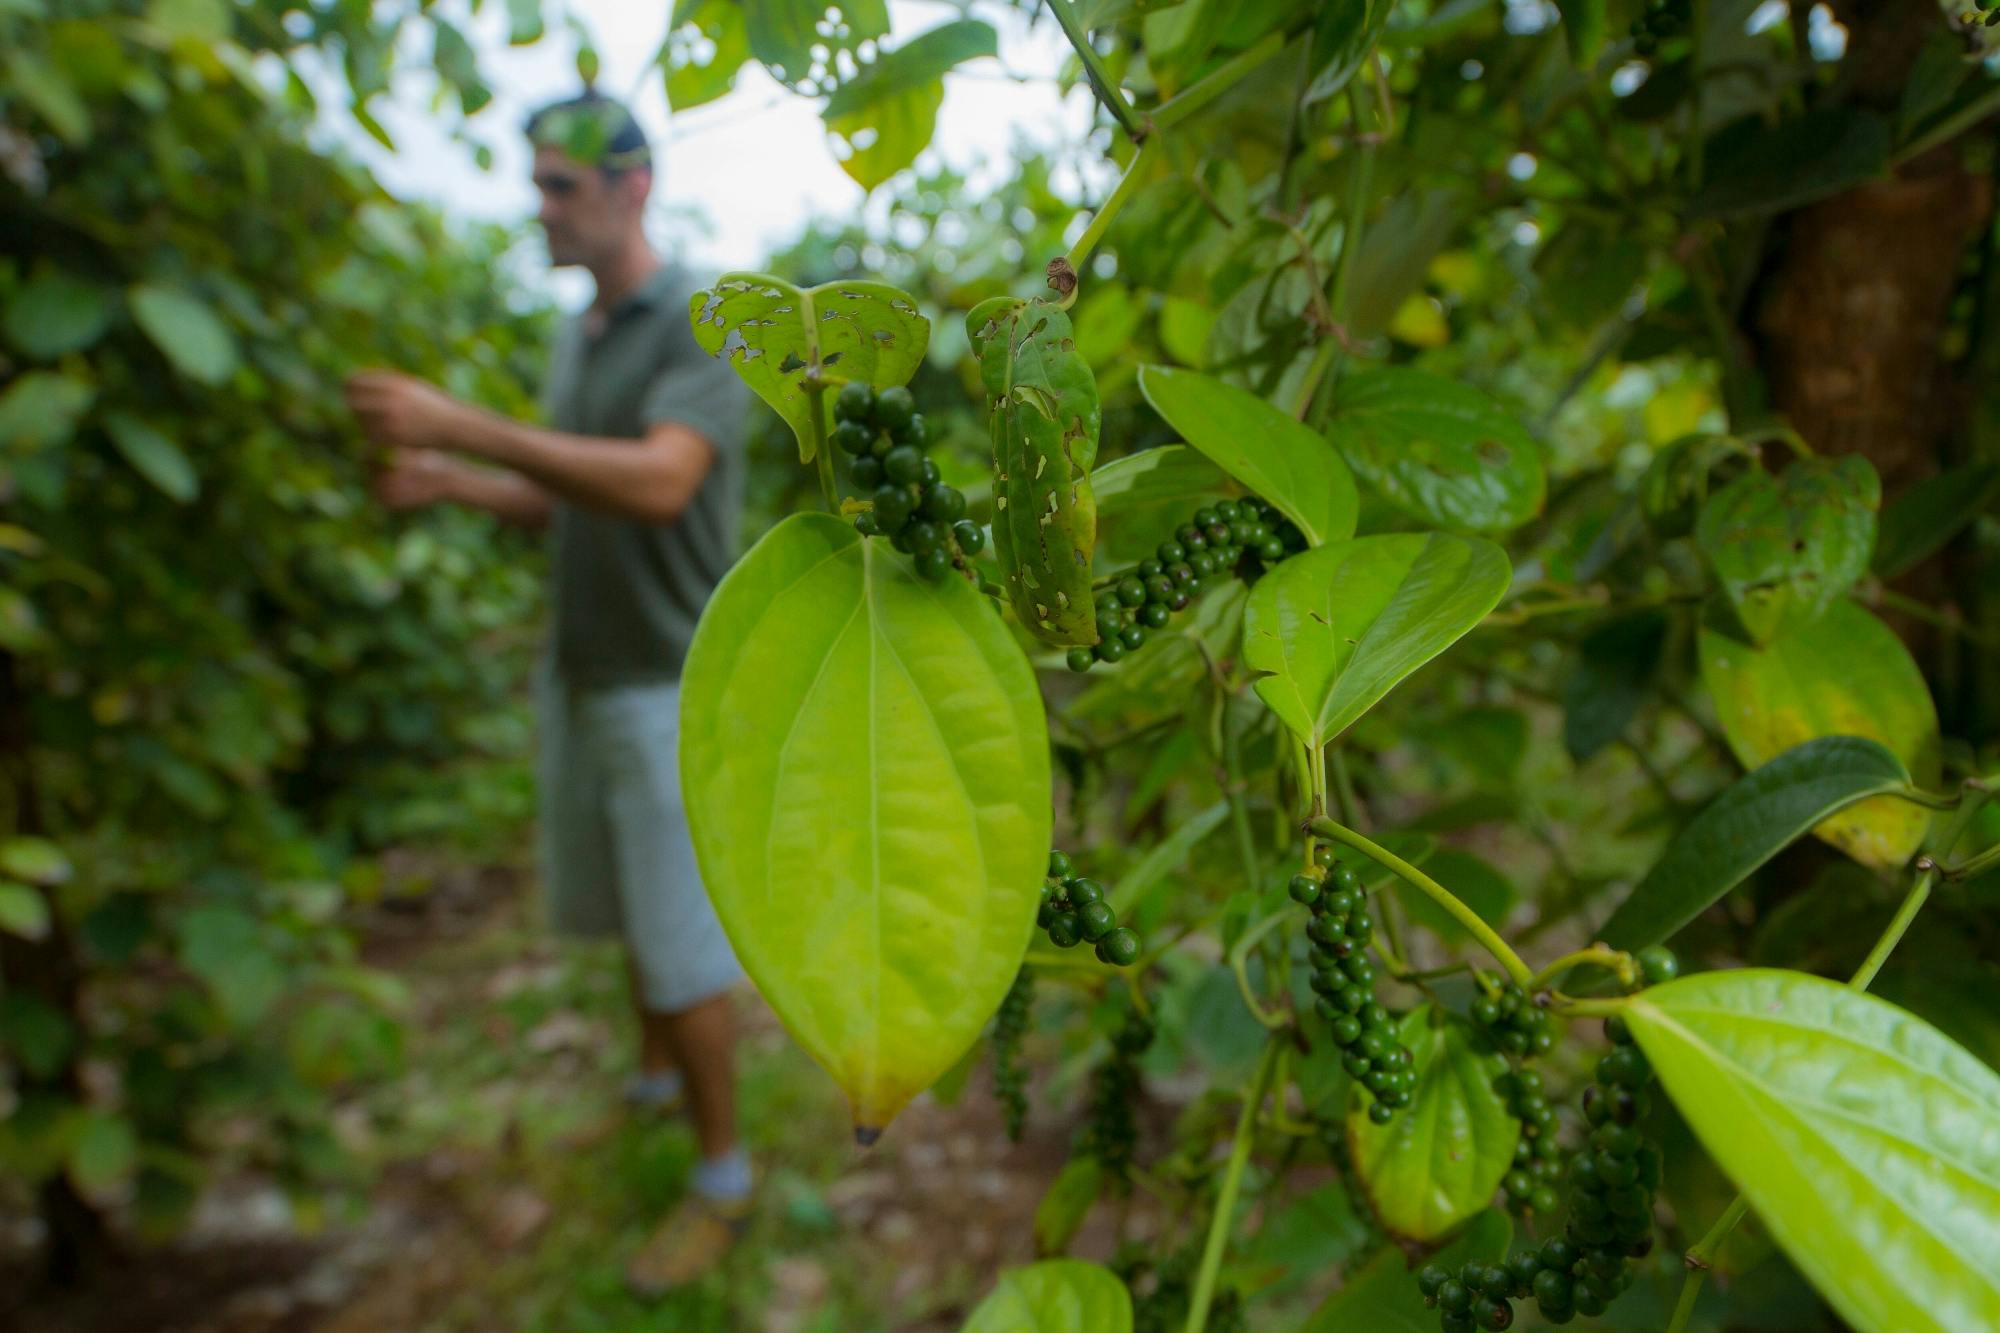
690	1243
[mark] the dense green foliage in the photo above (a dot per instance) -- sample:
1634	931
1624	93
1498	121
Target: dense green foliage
226	676
1522	500
1518	480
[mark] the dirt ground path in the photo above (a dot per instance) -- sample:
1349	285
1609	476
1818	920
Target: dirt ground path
507	1187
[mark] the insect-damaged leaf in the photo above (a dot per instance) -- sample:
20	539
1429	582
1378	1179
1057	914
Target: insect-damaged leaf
1044	422
784	341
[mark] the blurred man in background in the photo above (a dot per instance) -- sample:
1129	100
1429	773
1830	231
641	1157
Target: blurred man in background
639	477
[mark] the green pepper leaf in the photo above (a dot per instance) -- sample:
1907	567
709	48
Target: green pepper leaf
1055	1296
1441	451
782	339
1333	630
1791	545
875	850
1866	1141
1438	1161
1044	421
1844	674
1758	816
1273	454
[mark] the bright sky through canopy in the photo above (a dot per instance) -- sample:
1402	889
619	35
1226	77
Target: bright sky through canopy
755	164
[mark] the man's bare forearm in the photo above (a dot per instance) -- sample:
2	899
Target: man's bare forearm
652	479
514	498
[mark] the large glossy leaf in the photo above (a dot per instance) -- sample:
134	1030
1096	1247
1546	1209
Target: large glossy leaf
917	63
1441	451
186	330
1866	1141
1790	544
1043	419
55	313
1055	1296
1333	630
884	115
1929	514
879	139
1383	1298
1143	497
800	41
1844	674
705	48
1758	816
777	336
1438	1161
1268	451
866	771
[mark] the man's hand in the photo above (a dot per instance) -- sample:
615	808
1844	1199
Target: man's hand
399	409
418	477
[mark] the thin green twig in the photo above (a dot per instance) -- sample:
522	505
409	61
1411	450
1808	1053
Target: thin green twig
1232	1181
1093	69
1100	221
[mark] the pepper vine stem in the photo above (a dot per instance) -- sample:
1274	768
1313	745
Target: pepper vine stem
1093	69
1699	1256
1973	794
1100	221
1611	960
1232	1182
816	391
1436	892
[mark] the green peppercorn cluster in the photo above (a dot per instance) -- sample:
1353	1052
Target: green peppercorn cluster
1208	548
1506	1017
1010	1080
1613	1175
1073	908
1531	1183
1558	1276
1343	978
884	435
1661	20
1113	1131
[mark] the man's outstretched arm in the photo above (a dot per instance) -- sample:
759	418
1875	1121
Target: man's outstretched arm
653	478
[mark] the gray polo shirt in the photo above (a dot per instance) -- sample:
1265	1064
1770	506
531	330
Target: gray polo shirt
627	592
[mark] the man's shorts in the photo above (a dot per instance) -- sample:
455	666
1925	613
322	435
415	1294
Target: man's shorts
616	854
